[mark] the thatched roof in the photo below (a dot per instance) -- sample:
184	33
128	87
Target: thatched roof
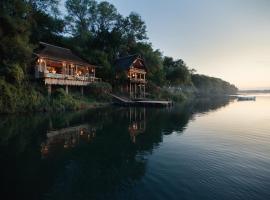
59	53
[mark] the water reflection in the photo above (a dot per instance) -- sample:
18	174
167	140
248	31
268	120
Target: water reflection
137	122
97	154
68	137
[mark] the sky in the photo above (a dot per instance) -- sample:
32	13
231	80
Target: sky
229	39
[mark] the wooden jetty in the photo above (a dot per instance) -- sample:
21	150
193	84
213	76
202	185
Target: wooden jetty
123	101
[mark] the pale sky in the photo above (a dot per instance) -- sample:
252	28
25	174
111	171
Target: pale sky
229	39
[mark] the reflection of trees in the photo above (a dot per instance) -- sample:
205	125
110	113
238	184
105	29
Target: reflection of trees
103	169
204	105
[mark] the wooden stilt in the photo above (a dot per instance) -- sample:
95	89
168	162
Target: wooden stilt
130	89
82	91
143	91
49	90
67	89
135	90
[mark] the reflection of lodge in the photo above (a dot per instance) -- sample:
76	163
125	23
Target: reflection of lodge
137	123
59	66
67	138
134	70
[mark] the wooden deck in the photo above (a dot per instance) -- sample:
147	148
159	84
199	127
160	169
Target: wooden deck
123	101
154	103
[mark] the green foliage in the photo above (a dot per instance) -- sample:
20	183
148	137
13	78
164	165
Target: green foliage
101	59
133	28
105	87
212	86
6	97
81	14
61	101
19	99
46	6
106	16
100	91
177	72
162	93
14	35
15	74
46	28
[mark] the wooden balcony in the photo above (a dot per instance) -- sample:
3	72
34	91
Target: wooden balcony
63	79
137	80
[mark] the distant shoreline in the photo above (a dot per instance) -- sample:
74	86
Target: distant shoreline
254	91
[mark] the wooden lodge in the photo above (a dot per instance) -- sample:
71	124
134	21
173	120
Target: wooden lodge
60	66
134	70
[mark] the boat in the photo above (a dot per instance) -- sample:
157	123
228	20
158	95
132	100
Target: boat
246	98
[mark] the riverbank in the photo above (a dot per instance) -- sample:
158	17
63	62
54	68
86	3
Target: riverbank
31	97
28	96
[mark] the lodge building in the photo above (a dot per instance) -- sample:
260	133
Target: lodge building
134	69
60	66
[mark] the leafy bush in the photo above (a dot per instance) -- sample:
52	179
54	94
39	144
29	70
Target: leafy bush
20	99
100	91
61	101
7	97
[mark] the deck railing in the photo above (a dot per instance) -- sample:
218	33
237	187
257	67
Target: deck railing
141	80
72	77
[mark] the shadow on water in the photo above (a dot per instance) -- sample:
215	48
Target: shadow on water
96	154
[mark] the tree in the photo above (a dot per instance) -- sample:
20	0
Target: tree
46	6
177	72
106	17
15	48
134	28
46	27
81	16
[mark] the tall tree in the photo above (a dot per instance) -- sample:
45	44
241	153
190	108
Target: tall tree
81	16
106	17
134	27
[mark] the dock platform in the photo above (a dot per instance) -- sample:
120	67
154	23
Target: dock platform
123	101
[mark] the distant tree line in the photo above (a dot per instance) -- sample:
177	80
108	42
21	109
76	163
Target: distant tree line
206	85
94	30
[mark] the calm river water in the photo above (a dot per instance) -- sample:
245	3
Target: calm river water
205	149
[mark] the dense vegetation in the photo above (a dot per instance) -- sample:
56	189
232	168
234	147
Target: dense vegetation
97	32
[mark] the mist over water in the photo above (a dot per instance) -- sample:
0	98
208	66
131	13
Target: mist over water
204	149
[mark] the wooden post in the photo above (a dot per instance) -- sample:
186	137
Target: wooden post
82	90
50	124
143	91
129	89
140	87
49	90
67	89
130	115
37	69
135	90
